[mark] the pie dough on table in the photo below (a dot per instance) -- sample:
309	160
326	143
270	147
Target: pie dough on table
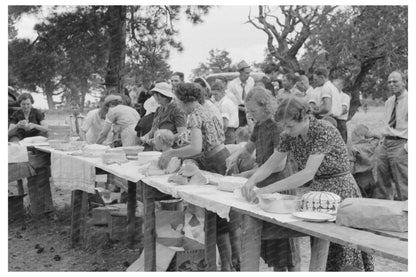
231	183
94	150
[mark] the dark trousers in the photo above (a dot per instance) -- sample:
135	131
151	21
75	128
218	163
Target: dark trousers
342	128
242	116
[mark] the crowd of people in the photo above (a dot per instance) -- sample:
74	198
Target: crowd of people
280	134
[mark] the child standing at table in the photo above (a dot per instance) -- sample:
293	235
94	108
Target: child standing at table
281	254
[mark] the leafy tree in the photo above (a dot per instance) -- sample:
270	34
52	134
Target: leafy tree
91	44
362	44
288	28
218	61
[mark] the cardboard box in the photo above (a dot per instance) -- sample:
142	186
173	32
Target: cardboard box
117	226
189	256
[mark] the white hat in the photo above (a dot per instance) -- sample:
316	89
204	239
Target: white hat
163	88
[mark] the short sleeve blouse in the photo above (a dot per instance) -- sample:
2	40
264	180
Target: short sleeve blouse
212	132
266	137
322	138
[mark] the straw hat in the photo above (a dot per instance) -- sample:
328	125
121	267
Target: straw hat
163	88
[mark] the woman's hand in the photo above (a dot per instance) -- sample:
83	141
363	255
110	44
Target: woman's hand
248	191
231	161
22	124
31	126
165	159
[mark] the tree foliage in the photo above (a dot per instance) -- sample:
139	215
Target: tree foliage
362	44
288	28
88	45
218	61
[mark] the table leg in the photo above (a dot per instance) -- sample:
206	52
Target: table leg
319	254
251	243
149	229
39	190
79	208
20	189
131	213
211	240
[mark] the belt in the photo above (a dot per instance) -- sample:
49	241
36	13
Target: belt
330	176
214	151
394	138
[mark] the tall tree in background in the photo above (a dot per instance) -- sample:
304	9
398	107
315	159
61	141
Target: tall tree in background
74	45
288	28
116	26
363	44
218	61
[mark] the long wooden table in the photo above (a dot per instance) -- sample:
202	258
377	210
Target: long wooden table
151	189
394	247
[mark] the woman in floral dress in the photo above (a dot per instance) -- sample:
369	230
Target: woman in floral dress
321	156
207	141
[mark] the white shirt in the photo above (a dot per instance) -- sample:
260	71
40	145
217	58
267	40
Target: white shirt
235	87
345	101
401	116
313	94
92	127
328	90
229	110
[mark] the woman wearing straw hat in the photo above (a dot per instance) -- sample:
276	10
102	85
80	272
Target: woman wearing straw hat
122	118
168	115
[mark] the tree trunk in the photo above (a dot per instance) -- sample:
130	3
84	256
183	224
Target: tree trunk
84	90
51	105
117	45
48	91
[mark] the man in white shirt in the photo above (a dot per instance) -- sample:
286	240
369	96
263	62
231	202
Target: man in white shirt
75	120
240	87
345	104
392	159
329	101
229	111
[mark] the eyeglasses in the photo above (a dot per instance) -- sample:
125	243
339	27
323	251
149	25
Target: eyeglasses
392	82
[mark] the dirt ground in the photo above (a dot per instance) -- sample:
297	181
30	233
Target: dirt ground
43	244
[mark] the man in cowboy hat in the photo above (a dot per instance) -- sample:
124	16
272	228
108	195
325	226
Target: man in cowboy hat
240	87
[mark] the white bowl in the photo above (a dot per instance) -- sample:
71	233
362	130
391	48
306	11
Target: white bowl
279	203
132	150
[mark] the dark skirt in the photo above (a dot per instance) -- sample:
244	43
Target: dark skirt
284	252
216	164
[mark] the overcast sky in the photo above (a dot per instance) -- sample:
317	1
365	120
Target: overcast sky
224	28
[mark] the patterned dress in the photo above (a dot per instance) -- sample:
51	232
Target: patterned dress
211	129
333	175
